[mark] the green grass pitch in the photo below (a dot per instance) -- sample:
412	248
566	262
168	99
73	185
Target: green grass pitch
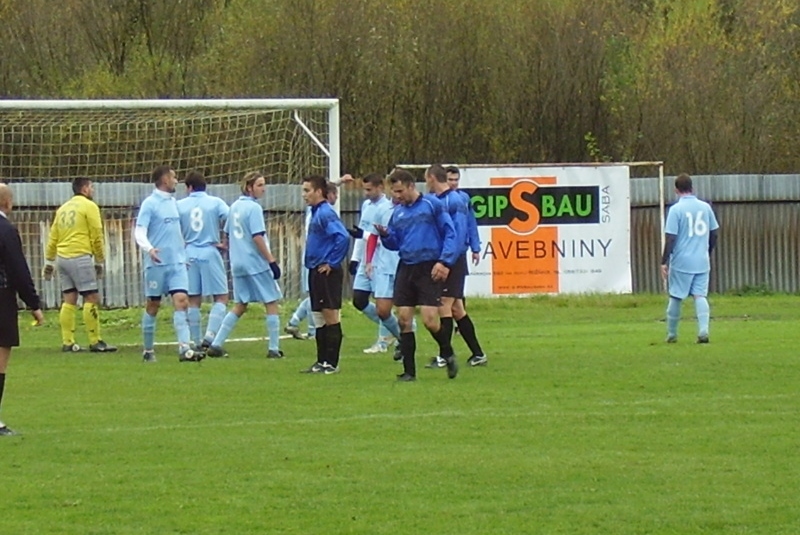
584	422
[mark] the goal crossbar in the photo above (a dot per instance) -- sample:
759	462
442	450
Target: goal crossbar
332	151
238	103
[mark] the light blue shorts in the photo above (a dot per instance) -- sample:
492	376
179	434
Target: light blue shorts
258	288
162	280
383	285
206	272
362	282
682	285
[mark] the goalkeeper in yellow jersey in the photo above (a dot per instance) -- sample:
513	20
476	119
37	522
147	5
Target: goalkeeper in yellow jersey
76	249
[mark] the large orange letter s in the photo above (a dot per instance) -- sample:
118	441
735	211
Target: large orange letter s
524	206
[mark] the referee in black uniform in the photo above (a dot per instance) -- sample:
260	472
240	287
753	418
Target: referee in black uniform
15	278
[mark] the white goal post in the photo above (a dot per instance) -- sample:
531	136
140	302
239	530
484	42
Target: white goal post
45	144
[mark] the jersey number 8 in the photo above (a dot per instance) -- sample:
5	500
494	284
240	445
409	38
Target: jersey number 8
196	218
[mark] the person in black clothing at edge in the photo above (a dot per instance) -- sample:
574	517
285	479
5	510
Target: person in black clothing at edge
15	279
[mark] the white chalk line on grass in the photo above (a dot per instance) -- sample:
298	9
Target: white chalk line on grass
250	339
485	411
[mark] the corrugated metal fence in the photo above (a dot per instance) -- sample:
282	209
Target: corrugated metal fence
759	243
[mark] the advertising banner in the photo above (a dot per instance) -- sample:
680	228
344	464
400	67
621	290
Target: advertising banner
550	229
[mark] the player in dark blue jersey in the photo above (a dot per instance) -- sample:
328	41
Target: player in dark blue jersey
326	248
303	310
463	321
422	232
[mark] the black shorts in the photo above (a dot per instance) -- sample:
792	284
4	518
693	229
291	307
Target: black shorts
454	285
325	290
413	286
9	319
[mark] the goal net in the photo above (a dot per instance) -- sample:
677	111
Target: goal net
44	145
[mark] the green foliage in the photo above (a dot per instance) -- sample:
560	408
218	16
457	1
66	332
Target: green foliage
583	422
708	86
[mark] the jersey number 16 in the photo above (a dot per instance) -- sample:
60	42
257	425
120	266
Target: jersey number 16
697	224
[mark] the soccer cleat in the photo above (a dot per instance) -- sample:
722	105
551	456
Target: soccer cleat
216	352
478	360
702	339
436	362
5	431
101	347
204	345
71	348
378	347
191	355
315	368
329	369
273	354
671	339
452	366
294	330
148	355
398	355
406	377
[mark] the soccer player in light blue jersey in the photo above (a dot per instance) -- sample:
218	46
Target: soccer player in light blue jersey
201	218
158	235
691	234
381	267
253	267
375	202
303	310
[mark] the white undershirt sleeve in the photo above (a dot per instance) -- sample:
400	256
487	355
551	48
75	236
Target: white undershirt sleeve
140	233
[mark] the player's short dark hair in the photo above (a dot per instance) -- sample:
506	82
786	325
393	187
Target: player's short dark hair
376	179
437	172
683	183
452	169
317	182
79	183
158	172
330	187
196	180
249	179
402	176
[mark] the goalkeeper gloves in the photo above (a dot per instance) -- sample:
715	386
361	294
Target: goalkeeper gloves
276	270
99	271
47	271
353	267
356	232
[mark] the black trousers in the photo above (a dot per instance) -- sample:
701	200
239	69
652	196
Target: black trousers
9	318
